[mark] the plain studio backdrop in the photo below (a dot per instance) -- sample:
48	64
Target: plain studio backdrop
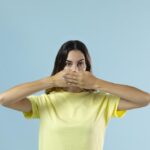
117	34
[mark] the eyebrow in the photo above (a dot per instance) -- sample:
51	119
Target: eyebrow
78	60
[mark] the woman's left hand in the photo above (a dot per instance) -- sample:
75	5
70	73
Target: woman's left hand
81	79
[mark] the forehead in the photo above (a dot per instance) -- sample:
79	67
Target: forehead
75	55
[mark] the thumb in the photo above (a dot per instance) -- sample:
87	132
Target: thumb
67	70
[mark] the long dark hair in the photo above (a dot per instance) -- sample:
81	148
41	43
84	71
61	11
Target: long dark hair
62	55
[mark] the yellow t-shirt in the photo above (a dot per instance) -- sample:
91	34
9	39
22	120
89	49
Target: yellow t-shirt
73	121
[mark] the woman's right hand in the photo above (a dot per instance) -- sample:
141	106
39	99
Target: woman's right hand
59	80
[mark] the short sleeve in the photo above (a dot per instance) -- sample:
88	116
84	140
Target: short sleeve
34	99
112	105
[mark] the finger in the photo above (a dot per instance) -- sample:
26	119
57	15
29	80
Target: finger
71	84
66	70
71	80
63	77
70	71
70	76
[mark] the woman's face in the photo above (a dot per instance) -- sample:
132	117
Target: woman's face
75	61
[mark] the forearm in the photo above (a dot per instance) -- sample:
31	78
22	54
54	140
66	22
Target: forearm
21	91
126	92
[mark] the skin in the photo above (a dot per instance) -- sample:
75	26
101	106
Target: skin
75	63
76	78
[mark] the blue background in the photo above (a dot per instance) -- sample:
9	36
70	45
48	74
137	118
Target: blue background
117	34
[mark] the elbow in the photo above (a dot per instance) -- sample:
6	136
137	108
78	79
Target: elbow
1	99
147	101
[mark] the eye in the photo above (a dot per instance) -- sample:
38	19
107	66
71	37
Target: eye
80	63
68	64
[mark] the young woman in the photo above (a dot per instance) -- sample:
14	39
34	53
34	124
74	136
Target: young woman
76	107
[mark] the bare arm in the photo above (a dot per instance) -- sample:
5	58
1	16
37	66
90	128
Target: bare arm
21	91
15	97
131	97
24	105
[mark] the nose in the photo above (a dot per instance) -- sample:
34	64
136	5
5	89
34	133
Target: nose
74	68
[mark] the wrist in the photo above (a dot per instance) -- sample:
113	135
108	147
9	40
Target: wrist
52	81
101	85
96	85
48	81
